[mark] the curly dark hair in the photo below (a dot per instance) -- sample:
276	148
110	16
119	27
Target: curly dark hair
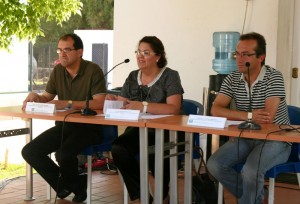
158	48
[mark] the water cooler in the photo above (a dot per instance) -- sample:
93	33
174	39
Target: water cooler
224	63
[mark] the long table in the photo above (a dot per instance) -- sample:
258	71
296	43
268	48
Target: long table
15	111
179	123
172	123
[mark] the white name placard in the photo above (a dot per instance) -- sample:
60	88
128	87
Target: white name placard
122	114
40	107
110	104
207	121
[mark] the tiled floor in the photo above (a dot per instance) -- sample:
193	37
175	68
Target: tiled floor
107	189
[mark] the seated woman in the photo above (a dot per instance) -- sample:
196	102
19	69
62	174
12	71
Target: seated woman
153	88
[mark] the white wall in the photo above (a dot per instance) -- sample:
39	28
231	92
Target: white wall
186	29
14	74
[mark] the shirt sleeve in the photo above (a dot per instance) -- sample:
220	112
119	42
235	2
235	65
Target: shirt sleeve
275	85
226	86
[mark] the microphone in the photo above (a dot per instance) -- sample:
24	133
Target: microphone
249	124
87	110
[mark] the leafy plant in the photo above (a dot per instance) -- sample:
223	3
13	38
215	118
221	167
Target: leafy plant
22	18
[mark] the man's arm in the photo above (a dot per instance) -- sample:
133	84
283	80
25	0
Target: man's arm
221	103
39	98
96	103
220	109
271	106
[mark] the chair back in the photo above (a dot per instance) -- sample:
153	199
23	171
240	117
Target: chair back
109	133
294	116
195	108
192	107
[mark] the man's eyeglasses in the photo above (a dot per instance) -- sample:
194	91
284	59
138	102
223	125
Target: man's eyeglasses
145	53
66	50
242	55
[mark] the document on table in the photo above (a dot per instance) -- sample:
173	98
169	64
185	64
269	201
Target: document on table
151	116
232	122
110	104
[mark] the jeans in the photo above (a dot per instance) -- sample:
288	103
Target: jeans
258	157
76	137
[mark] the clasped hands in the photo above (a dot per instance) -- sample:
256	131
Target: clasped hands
127	104
261	116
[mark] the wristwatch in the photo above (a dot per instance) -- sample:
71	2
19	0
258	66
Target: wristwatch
249	115
145	104
70	104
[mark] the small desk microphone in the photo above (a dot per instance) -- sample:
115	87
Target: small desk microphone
87	110
249	124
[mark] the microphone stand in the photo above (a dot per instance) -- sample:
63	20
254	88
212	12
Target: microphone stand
87	110
249	124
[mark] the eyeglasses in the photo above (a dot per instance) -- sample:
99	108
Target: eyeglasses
242	55
66	50
145	53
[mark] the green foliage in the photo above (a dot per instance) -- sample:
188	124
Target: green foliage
96	14
22	18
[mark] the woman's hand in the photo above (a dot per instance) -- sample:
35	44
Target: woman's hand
111	97
133	105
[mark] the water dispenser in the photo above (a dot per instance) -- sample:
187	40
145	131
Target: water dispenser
225	45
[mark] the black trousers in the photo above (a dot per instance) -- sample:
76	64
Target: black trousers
124	152
67	141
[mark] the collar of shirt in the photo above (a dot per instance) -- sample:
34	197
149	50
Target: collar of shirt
259	78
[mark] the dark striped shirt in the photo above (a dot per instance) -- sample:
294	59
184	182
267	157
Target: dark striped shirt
269	83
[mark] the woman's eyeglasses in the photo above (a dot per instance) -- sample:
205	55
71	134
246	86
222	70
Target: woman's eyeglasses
145	53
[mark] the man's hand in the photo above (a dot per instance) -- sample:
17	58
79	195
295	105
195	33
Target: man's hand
261	116
59	104
32	97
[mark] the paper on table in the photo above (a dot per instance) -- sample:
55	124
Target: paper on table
151	116
110	104
232	122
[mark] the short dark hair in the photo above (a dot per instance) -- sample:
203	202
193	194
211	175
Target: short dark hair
261	43
78	44
158	48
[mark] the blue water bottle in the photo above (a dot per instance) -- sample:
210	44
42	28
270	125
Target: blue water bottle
225	45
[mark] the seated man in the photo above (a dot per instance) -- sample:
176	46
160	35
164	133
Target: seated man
268	105
72	81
